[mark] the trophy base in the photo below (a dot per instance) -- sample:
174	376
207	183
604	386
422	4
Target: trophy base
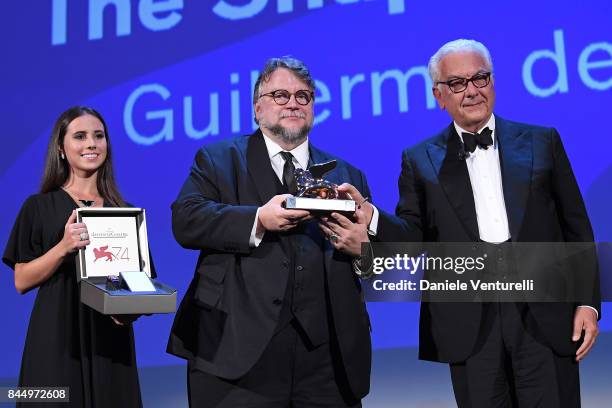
320	206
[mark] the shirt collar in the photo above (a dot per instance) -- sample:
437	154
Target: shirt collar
301	152
490	124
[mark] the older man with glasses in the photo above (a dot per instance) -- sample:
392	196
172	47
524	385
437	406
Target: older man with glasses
274	316
486	179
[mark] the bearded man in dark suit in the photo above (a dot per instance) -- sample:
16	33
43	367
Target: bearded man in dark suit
274	316
487	179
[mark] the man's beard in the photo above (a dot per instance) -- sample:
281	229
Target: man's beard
289	136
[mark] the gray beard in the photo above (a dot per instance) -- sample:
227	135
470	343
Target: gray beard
290	136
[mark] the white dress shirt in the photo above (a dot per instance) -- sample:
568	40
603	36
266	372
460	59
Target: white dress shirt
485	177
301	155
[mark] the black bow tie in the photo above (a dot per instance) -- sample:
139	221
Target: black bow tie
482	139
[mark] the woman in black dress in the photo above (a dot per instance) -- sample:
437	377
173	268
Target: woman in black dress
68	344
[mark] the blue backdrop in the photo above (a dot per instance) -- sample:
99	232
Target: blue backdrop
171	75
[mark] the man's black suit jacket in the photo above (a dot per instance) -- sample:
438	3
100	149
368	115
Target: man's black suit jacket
543	204
232	306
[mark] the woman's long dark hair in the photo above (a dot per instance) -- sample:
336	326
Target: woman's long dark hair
57	170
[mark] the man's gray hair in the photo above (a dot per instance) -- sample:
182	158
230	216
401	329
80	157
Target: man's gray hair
455	47
293	64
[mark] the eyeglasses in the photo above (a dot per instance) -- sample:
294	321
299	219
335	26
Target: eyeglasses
457	85
282	97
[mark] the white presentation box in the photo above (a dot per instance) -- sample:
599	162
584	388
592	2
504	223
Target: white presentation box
118	243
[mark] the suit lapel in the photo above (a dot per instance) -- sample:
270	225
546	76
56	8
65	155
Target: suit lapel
259	167
516	163
454	178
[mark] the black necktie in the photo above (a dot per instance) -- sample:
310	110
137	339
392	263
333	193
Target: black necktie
289	172
482	139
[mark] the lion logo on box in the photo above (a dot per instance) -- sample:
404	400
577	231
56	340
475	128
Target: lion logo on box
103	253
